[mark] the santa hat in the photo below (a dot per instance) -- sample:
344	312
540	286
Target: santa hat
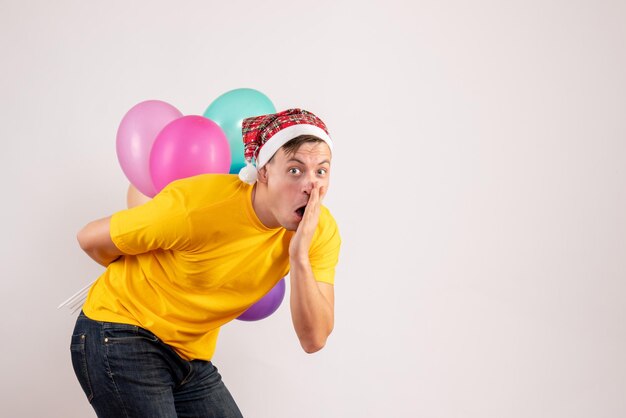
264	135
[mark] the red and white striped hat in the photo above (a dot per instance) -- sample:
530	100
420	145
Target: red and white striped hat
264	135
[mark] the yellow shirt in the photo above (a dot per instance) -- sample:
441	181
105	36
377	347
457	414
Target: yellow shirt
198	258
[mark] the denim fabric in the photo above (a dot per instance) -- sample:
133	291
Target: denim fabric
126	371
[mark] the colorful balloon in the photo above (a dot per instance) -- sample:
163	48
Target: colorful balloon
135	198
135	137
186	147
267	305
229	110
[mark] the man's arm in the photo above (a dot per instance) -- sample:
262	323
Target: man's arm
95	240
312	307
312	303
95	237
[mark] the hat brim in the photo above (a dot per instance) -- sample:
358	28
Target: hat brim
285	135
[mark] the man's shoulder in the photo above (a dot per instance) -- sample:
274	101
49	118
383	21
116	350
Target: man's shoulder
209	180
327	227
207	188
326	217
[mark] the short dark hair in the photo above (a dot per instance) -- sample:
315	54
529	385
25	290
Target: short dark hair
293	145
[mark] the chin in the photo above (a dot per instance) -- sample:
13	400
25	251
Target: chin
290	225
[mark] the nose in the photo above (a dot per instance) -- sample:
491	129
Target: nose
308	184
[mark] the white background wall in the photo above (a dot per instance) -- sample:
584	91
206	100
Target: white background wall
479	182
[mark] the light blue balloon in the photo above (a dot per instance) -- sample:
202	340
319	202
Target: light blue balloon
229	110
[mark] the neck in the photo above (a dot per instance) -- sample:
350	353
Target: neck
261	207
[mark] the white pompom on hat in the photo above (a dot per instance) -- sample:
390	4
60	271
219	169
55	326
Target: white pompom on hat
264	135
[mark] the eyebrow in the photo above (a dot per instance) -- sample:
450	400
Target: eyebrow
301	162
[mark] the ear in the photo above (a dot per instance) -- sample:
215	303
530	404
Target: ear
262	175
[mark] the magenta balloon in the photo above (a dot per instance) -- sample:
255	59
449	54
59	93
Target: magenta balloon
135	137
186	147
267	305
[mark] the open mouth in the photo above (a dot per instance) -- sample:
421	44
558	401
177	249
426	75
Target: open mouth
300	211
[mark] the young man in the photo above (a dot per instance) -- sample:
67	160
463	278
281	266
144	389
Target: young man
195	257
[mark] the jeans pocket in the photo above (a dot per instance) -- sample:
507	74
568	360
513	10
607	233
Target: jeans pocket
79	362
125	333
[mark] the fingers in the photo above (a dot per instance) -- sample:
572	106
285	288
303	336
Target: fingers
315	190
307	226
315	196
321	190
312	209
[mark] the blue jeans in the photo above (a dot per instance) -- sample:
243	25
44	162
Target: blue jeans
126	371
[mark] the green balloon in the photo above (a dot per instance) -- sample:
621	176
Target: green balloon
229	110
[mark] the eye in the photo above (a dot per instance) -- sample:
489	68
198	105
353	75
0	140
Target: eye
294	170
322	171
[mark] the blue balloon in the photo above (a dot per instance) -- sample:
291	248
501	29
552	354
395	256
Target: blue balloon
229	110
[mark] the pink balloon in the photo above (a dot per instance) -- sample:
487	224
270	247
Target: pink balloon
135	137
186	147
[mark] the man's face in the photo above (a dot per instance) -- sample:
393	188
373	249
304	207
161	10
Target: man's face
290	178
